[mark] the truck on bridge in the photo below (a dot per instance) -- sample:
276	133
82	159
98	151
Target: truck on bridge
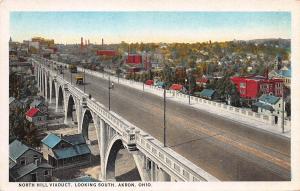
72	68
79	79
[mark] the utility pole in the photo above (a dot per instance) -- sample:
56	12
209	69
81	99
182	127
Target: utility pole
143	86
165	116
84	80
189	91
282	121
109	92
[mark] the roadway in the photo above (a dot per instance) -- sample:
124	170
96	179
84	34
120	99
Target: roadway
228	150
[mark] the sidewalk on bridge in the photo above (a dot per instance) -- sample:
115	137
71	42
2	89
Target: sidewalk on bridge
248	122
251	123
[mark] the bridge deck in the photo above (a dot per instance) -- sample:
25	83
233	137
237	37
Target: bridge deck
226	149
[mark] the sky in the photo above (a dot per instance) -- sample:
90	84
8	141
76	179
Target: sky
114	27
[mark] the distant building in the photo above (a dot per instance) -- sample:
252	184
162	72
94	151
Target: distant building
251	87
27	164
208	94
284	74
202	82
66	151
106	52
134	59
177	87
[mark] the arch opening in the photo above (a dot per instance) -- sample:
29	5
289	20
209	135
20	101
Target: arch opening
89	132
60	100
71	111
53	90
48	88
120	164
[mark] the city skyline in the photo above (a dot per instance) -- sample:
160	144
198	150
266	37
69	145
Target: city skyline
168	27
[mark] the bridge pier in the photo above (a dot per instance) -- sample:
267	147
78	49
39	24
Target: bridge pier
102	148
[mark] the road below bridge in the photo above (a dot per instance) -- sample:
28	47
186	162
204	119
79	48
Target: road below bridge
226	149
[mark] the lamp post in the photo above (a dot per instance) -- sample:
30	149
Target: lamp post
189	91
109	92
165	116
282	120
84	80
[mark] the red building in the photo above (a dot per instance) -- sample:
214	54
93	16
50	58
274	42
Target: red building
134	59
106	53
251	87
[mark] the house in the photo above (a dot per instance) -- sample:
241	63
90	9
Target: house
66	151
251	87
14	103
176	87
159	84
25	102
284	74
207	94
149	82
269	105
39	104
27	164
38	118
202	82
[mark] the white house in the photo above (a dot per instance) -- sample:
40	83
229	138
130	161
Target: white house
270	105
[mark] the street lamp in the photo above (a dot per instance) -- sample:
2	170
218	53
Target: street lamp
189	89
109	87
84	80
282	121
165	101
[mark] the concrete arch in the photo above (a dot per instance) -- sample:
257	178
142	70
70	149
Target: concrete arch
112	151
87	118
71	109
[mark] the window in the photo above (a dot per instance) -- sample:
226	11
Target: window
46	172
279	105
35	157
23	161
277	112
242	85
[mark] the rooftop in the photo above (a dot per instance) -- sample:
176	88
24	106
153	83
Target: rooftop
269	99
51	140
16	149
32	112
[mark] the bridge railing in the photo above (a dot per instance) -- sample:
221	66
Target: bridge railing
174	162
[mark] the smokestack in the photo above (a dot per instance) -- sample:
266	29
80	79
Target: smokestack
81	44
88	41
102	42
